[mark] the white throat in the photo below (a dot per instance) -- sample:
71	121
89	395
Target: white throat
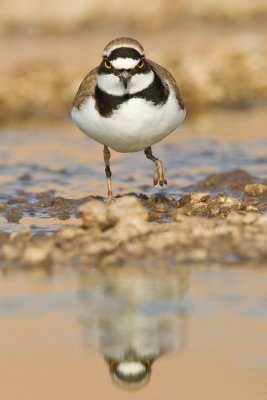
112	84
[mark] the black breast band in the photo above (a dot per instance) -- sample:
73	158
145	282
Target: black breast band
156	92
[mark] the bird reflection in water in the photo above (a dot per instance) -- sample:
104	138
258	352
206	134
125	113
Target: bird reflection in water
134	315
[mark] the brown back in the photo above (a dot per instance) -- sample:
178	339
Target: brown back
87	88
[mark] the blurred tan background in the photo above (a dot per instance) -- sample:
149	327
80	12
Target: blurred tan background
216	50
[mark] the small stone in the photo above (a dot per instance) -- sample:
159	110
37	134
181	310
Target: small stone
24	234
221	198
10	252
255	189
250	218
131	218
232	202
2	206
36	255
200	207
193	198
68	233
251	208
25	177
100	247
14	215
129	208
96	214
214	211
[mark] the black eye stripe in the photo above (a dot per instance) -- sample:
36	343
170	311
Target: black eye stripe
125	52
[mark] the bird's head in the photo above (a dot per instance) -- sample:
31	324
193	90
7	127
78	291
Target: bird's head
124	68
132	372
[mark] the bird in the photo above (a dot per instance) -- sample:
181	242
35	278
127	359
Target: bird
118	317
128	103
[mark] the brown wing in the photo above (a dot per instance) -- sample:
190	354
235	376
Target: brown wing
87	88
167	76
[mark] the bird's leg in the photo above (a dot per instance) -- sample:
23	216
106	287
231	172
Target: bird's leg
159	176
108	170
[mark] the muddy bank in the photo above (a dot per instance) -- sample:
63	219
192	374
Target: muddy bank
43	204
217	195
203	227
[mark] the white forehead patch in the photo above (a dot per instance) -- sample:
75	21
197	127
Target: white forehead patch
131	368
118	46
124	63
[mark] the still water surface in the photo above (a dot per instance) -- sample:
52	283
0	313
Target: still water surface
172	332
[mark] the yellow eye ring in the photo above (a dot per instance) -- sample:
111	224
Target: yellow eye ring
107	64
141	63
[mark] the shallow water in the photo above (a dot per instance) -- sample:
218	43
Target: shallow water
61	161
205	328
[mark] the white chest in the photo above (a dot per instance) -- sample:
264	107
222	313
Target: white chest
135	125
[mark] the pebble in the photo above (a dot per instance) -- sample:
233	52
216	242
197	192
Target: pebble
255	189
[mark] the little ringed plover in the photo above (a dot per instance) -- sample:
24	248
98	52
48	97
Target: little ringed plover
128	103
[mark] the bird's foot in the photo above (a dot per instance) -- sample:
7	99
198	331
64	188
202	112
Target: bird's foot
110	200
159	175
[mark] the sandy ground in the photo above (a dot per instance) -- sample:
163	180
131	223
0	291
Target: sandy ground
68	17
83	49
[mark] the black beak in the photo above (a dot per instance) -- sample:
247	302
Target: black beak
125	78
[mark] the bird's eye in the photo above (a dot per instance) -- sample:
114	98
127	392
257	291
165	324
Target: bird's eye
107	64
141	63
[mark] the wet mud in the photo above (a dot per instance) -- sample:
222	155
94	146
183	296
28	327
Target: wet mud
45	204
226	223
217	195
